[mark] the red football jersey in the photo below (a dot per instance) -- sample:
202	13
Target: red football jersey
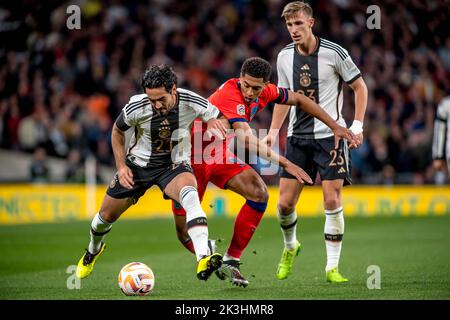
229	100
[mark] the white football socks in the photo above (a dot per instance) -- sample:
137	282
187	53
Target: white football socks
334	231
99	229
195	220
288	224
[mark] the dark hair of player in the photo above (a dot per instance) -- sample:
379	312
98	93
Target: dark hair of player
159	76
257	67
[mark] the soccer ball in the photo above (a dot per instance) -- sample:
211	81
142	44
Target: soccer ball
136	279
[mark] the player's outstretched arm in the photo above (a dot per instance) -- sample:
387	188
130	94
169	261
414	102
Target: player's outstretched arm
245	137
309	106
360	89
124	173
279	115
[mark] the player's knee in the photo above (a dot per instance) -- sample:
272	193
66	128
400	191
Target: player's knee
287	201
332	203
286	207
259	192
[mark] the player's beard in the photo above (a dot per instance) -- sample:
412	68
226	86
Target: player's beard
164	111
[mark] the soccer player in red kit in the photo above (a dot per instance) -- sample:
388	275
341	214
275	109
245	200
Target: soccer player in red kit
239	100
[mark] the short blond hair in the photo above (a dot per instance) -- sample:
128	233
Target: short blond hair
297	6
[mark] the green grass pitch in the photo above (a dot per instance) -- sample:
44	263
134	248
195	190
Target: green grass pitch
413	255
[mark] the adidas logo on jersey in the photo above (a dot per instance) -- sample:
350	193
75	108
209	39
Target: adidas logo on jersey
342	170
305	67
165	122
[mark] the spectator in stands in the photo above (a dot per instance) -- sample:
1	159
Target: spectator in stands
39	171
75	169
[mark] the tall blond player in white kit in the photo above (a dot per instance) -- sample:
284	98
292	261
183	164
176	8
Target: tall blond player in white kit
317	68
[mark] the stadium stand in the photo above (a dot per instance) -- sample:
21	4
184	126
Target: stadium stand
61	89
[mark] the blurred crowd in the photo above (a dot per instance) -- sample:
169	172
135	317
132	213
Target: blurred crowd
61	89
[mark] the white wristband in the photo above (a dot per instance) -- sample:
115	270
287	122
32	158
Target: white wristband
357	127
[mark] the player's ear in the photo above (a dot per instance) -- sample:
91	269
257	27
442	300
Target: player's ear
174	89
311	22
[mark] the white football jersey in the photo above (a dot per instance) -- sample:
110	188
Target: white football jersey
319	76
161	140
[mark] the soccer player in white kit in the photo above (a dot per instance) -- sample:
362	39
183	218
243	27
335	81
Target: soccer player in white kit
317	68
158	153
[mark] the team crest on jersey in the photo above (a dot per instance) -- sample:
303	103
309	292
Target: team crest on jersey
240	109
305	79
164	133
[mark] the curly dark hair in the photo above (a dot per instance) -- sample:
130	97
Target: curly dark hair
257	67
159	76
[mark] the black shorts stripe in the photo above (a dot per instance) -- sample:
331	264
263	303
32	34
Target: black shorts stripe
346	155
196	222
333	237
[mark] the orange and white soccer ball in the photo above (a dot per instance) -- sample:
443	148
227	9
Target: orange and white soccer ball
136	279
